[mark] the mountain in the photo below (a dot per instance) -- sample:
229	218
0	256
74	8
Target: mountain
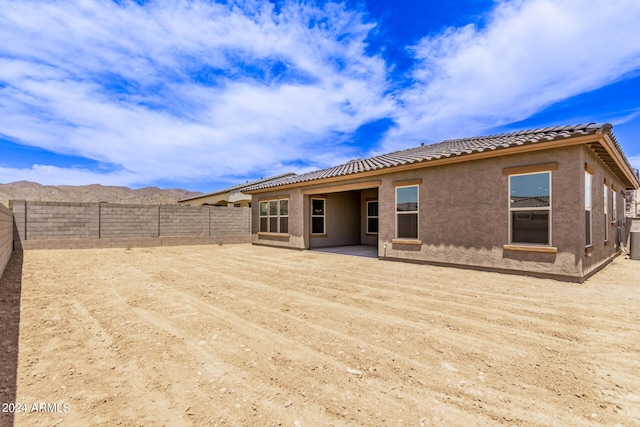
26	190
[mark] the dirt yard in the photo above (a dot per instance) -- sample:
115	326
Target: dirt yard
245	335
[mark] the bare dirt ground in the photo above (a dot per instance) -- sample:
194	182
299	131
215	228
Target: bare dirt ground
246	335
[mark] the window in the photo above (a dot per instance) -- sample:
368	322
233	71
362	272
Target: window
530	208
264	217
283	215
587	208
318	216
407	212
274	216
606	213
614	199
372	217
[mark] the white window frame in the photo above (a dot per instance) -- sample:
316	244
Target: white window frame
417	211
588	205
323	216
261	216
281	216
543	208
269	216
606	212
372	216
614	200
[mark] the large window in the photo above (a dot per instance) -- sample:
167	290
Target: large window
530	208
587	207
606	212
407	212
318	216
274	216
372	217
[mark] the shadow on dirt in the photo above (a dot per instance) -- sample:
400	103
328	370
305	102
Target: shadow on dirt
10	290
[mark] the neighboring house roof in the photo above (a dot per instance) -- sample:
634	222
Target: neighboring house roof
462	147
238	188
529	201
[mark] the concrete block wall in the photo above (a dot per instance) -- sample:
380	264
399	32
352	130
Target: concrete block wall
230	221
118	220
55	225
56	220
6	236
184	220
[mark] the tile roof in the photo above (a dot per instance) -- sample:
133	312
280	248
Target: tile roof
447	149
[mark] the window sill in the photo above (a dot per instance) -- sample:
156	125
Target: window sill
589	249
527	248
406	241
265	234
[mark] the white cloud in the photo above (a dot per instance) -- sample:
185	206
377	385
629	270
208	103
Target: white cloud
529	55
190	90
177	89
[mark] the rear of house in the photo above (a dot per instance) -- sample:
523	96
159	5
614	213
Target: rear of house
547	202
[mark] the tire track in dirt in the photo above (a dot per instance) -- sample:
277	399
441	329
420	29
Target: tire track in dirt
425	307
242	297
446	346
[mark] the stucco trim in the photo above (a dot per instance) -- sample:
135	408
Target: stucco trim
526	248
407	182
278	197
267	234
542	167
589	168
406	241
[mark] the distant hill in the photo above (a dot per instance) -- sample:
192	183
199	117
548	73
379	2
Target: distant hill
26	190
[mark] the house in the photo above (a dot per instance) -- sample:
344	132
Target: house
231	196
546	202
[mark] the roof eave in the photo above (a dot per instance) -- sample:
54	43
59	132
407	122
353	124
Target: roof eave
622	164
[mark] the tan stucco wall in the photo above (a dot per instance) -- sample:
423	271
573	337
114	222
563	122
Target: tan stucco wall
342	220
601	252
464	216
298	210
367	239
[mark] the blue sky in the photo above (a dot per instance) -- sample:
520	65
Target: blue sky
202	94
